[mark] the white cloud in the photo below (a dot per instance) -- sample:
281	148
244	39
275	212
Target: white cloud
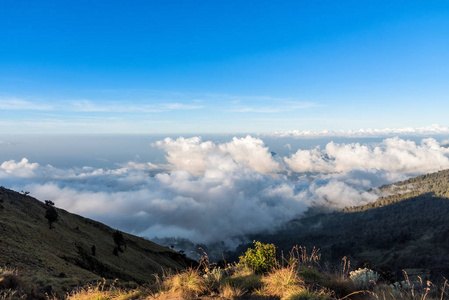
208	207
211	191
421	131
196	156
392	154
20	169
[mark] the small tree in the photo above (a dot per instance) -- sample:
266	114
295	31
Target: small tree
119	241
50	213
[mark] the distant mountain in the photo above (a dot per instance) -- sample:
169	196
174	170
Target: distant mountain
407	228
77	250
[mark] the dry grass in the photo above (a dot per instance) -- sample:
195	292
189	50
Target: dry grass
244	277
418	290
305	294
103	292
282	281
188	284
340	287
9	279
296	281
55	263
299	256
7	294
231	292
10	283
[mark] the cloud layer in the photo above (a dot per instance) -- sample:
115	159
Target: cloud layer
420	131
209	191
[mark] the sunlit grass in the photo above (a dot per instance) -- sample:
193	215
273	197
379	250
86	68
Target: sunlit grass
282	281
300	278
231	292
188	284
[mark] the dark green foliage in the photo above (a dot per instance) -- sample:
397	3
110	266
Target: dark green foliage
50	213
408	229
49	203
310	275
93	250
261	259
119	241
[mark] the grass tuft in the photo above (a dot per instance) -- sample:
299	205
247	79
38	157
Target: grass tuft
244	277
189	283
231	292
305	294
282	281
9	279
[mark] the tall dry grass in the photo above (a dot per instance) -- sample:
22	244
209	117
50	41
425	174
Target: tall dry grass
188	284
282	281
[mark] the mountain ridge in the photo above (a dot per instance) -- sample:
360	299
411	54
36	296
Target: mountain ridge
407	228
64	256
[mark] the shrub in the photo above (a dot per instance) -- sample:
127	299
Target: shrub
310	275
261	259
363	278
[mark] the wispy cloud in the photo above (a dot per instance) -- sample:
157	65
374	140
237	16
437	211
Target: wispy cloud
17	104
180	106
274	108
89	106
95	107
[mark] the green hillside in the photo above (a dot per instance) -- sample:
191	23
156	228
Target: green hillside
408	228
61	257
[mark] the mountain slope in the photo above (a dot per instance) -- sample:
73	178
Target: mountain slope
407	228
63	256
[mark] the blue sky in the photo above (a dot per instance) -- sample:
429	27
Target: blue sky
222	66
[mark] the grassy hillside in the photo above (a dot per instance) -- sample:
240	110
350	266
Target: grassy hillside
260	274
408	228
62	257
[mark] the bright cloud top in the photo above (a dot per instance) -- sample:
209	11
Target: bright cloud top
196	156
393	154
210	192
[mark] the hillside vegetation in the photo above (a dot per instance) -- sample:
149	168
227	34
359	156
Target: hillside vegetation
408	228
387	249
75	251
261	274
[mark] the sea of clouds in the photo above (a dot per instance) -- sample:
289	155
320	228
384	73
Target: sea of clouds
209	191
